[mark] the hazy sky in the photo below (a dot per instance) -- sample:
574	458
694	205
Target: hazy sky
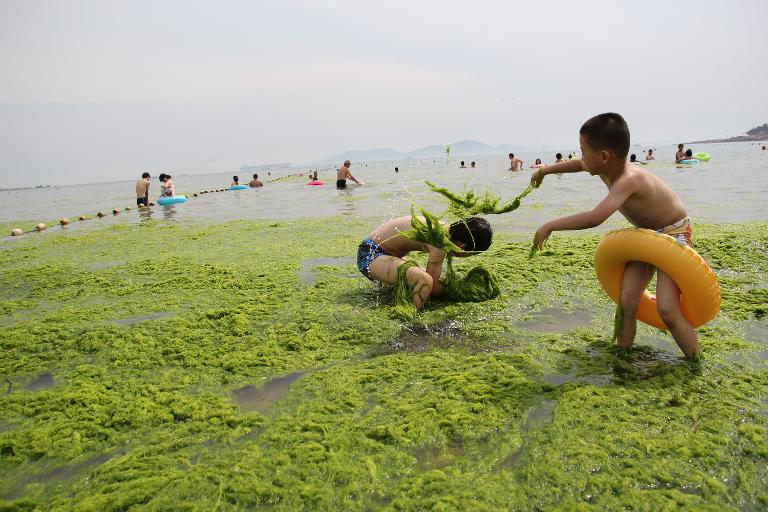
101	90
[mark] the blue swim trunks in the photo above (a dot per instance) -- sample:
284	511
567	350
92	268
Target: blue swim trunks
367	251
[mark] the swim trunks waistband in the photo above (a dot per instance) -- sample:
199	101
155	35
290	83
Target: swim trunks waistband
682	231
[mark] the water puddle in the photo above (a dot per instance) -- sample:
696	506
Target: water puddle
44	381
260	399
539	417
143	318
61	473
558	379
438	457
557	320
308	277
418	338
756	331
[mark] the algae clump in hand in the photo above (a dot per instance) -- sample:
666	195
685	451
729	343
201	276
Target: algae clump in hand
474	204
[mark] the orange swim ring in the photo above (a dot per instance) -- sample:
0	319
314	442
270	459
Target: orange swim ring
699	291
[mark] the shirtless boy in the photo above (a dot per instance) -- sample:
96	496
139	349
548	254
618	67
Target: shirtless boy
343	174
515	164
646	202
680	155
142	190
383	250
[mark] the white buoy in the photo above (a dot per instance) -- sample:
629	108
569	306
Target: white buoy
100	214
64	221
40	227
115	211
16	232
82	217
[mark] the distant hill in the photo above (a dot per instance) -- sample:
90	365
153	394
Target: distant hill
757	133
461	148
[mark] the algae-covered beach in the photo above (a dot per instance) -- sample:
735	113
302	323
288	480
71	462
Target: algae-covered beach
248	365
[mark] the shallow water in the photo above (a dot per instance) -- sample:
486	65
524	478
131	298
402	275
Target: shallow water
252	398
730	187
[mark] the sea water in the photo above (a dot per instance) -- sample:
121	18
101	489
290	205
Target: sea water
731	187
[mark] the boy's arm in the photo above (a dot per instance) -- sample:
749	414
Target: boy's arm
574	165
435	268
616	197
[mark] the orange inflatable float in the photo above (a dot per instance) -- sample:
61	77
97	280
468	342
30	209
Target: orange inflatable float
699	291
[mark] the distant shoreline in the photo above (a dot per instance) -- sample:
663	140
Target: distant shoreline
740	138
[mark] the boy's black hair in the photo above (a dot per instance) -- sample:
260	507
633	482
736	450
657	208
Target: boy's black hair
607	131
255	176
511	155
680	146
474	232
145	175
688	152
162	175
462	162
235	178
632	157
559	156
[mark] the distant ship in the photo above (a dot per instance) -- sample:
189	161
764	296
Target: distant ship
265	167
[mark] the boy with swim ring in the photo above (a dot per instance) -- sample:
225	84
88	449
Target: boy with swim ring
646	202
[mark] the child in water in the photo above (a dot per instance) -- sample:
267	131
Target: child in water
166	185
235	181
383	250
646	202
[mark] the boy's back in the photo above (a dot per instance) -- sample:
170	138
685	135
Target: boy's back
387	237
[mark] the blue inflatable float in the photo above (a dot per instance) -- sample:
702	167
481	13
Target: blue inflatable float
238	187
171	200
689	161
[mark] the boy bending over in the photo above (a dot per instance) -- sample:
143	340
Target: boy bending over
383	250
646	202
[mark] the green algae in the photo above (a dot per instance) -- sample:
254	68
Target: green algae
141	414
430	231
478	204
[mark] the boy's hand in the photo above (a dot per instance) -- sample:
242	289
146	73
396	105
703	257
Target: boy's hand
536	178
541	236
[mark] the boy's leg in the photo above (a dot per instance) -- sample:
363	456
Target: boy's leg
668	304
637	275
384	269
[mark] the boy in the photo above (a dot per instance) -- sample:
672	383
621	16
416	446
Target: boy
515	164
646	202
383	250
650	156
680	155
142	190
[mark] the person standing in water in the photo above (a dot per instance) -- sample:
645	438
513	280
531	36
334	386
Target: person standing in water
142	190
235	181
680	155
515	164
255	182
166	186
650	156
343	174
